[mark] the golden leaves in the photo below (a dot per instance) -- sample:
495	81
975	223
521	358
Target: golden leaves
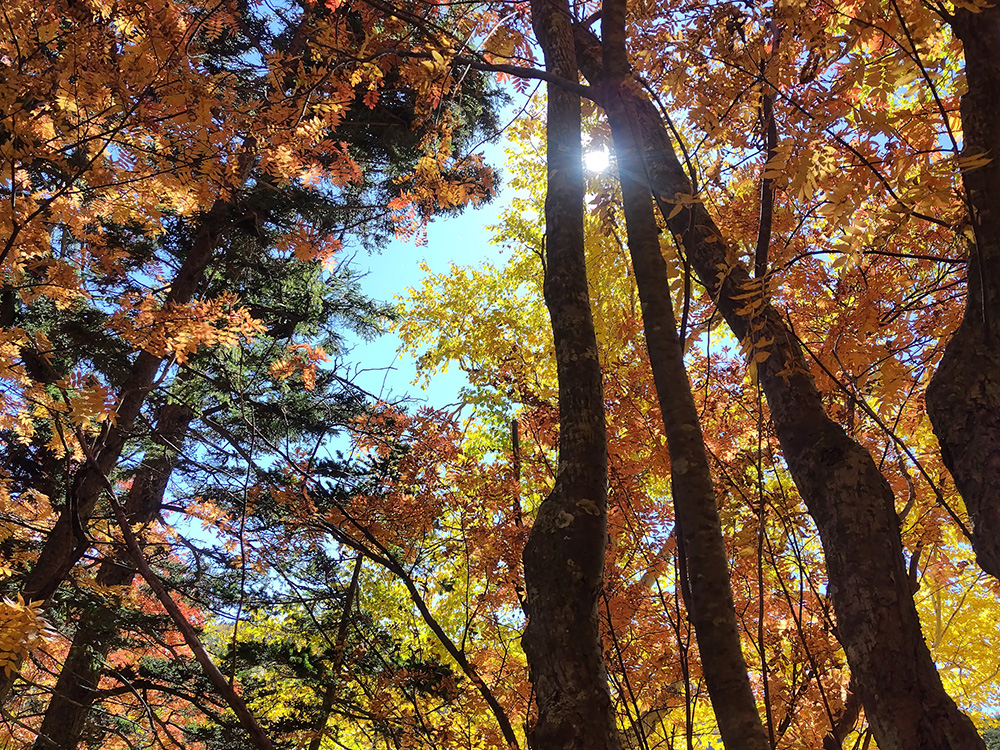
682	201
503	42
23	630
776	167
88	399
179	330
439	182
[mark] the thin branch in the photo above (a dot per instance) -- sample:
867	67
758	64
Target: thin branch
218	680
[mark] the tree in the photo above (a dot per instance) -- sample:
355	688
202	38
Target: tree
642	463
961	398
846	494
564	553
135	227
697	526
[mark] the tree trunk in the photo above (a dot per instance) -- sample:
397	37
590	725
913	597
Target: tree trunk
66	543
699	530
963	398
73	697
564	554
847	496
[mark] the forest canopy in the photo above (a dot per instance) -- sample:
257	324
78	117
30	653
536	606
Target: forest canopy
726	469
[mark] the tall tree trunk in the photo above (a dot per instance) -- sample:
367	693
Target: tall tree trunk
963	398
73	697
564	554
846	494
699	530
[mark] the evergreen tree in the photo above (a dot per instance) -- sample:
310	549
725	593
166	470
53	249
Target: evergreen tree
217	430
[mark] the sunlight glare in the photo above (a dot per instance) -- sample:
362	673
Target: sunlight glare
596	160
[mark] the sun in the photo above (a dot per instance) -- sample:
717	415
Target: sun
596	160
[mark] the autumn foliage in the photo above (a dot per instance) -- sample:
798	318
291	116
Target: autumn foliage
210	538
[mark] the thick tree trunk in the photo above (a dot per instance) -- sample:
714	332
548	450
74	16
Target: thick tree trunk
74	694
564	555
847	496
963	398
699	530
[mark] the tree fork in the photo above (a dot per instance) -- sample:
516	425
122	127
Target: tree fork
564	554
699	529
847	496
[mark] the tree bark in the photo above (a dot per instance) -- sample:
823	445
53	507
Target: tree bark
963	398
564	554
847	496
74	693
699	529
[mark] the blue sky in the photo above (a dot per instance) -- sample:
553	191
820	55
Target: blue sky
462	240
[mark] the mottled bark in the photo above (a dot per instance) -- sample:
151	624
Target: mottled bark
847	496
564	554
99	624
963	398
699	529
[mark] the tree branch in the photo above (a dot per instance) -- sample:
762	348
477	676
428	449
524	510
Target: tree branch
218	680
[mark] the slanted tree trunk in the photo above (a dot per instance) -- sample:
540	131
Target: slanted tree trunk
699	530
847	496
65	544
67	541
963	398
75	690
564	554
